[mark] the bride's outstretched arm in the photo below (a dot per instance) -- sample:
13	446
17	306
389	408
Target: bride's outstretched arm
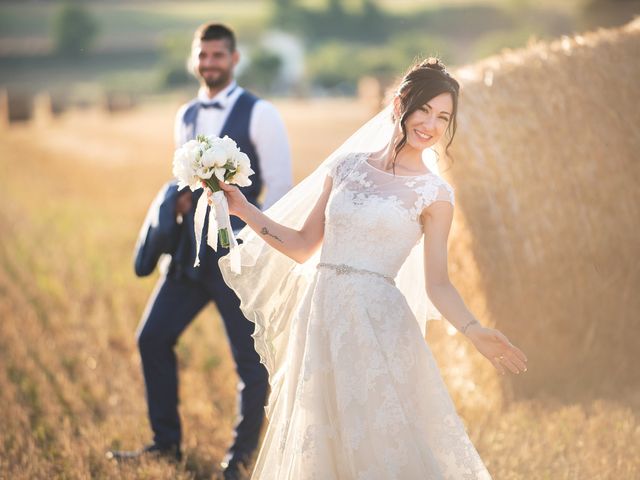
298	245
492	343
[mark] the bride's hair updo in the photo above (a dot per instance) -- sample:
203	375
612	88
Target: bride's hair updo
425	80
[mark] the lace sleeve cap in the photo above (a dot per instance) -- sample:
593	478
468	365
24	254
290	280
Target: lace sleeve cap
435	192
340	168
445	193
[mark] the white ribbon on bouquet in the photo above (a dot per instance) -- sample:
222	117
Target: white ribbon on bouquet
218	219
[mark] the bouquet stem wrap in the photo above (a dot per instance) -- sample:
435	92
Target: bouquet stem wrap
219	227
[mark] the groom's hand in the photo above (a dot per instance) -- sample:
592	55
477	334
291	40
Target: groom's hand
183	202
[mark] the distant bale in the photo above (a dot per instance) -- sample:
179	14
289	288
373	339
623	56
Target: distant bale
117	102
42	108
4	108
370	92
19	106
59	103
548	176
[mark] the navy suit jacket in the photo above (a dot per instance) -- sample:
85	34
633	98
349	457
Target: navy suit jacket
159	233
162	234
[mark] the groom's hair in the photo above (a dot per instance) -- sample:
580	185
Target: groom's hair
215	31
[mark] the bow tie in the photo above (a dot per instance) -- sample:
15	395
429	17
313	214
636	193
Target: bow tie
216	105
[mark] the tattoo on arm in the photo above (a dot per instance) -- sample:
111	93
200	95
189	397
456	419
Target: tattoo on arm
265	231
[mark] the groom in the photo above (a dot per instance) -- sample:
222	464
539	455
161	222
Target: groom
221	108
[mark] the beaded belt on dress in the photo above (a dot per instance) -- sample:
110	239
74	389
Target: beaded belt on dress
342	269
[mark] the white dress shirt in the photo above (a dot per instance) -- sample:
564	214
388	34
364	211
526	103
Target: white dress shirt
266	131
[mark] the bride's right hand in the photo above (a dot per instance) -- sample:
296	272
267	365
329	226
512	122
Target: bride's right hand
494	345
238	203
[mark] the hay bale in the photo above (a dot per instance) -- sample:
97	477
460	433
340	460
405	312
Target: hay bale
370	92
548	191
42	108
118	101
4	108
59	103
20	106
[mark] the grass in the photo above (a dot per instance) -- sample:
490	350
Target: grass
72	196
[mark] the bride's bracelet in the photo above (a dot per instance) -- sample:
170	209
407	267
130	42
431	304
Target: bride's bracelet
463	330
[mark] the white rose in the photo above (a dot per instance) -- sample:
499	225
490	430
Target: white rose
182	167
193	152
219	172
192	148
242	169
244	165
242	160
229	143
193	182
186	165
209	139
241	176
230	148
214	157
240	180
205	173
178	161
191	145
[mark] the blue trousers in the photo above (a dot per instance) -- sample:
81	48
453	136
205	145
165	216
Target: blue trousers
175	303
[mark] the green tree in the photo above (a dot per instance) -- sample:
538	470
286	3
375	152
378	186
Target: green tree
263	71
172	68
74	29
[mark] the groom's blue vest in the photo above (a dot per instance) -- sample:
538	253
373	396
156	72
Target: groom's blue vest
236	127
162	234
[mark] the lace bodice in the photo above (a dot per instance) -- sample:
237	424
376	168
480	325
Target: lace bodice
373	217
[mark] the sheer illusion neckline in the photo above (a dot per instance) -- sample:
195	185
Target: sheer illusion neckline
366	161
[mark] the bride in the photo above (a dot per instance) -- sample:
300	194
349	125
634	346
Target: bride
339	297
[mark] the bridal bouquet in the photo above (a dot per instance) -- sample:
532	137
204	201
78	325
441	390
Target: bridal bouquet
209	159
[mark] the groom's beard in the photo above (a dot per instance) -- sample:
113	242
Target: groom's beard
222	79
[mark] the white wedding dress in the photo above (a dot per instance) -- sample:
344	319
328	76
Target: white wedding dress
356	393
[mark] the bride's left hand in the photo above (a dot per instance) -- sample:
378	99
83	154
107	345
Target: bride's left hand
494	345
